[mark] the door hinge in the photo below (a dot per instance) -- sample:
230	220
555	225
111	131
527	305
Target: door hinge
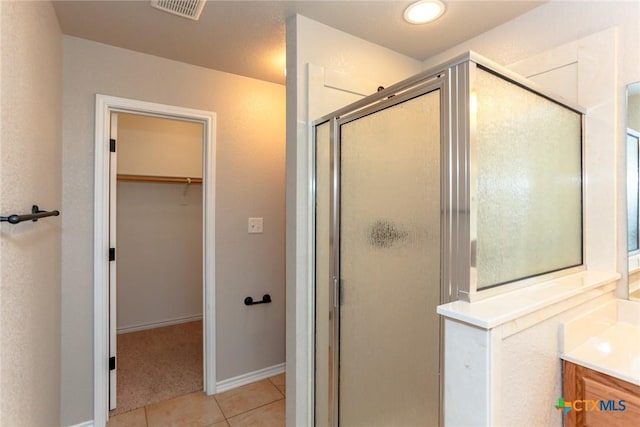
112	254
112	145
112	363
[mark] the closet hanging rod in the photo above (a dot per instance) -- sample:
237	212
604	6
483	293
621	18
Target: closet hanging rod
153	178
35	215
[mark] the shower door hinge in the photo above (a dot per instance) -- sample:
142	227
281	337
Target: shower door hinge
112	254
112	363
112	145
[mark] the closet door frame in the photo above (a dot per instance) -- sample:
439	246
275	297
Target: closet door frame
105	105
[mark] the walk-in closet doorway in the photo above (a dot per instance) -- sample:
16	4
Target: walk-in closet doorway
159	259
154	254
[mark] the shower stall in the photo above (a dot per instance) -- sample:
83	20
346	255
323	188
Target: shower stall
451	185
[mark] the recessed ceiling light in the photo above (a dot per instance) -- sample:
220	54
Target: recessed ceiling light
424	11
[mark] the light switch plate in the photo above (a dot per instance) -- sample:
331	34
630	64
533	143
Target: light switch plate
255	225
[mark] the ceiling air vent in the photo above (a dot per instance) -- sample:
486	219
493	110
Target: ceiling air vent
186	8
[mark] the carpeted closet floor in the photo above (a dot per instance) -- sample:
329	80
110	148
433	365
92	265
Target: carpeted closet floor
158	364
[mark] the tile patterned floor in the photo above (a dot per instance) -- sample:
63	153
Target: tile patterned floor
258	404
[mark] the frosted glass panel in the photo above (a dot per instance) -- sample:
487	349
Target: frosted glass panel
323	191
529	185
632	192
390	266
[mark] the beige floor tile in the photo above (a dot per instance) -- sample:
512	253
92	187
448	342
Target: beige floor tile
134	418
279	379
271	415
222	424
248	397
195	410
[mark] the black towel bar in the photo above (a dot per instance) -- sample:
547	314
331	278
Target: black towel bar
266	298
35	214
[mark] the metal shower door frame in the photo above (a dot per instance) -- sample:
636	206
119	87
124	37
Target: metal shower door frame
458	182
387	98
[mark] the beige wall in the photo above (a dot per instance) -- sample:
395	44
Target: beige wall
159	254
157	146
554	24
30	172
250	183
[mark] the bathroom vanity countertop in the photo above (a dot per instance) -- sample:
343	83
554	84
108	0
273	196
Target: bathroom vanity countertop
606	340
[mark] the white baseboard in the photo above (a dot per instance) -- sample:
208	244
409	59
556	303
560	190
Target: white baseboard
249	377
84	424
160	324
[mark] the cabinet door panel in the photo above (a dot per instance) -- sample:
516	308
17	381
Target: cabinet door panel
585	388
595	390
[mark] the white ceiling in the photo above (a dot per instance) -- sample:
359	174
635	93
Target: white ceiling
248	37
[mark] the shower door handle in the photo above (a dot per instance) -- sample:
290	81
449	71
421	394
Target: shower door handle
338	289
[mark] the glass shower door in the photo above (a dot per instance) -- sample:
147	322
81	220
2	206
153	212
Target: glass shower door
389	264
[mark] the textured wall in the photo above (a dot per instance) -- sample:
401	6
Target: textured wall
159	255
530	368
250	183
30	172
555	24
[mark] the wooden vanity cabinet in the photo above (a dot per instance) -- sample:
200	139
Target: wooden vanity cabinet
584	388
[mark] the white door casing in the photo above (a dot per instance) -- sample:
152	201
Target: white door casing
104	214
113	174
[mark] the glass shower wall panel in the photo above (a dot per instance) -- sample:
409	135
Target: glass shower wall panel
528	169
632	192
390	265
322	272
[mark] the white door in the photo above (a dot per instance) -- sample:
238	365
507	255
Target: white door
113	174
